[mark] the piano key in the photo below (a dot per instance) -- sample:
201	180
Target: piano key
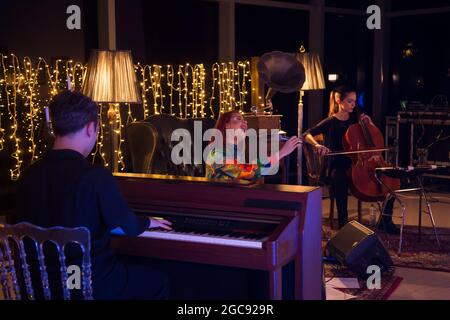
202	239
219	235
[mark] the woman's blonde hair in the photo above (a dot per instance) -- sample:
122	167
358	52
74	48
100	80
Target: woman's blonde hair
340	93
334	107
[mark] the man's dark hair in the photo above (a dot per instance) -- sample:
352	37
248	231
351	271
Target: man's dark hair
70	111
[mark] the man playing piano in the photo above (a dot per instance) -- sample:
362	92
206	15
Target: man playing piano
64	189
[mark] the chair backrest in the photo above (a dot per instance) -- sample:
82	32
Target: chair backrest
60	237
142	145
159	145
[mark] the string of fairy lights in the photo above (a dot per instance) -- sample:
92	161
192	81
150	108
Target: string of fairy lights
186	91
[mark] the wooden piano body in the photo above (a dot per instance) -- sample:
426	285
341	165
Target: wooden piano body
296	211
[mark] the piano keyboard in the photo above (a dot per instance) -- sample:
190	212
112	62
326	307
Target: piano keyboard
208	239
229	232
228	240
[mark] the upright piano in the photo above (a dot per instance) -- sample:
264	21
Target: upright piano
253	226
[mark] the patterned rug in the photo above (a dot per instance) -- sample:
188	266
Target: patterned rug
424	254
389	283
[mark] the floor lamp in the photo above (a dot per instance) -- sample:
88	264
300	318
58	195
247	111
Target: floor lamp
111	79
313	81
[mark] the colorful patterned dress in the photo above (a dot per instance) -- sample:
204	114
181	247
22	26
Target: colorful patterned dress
217	167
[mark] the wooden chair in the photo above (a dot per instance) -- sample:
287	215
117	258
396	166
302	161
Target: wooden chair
60	237
315	166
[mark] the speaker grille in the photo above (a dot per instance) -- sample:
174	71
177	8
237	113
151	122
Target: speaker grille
357	247
348	238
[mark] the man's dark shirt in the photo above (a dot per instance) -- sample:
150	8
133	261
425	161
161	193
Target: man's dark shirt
64	189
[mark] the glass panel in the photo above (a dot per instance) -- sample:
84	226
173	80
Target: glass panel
263	29
176	32
348	56
349	4
294	1
414	5
420	59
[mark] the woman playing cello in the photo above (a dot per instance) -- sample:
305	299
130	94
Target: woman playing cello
334	127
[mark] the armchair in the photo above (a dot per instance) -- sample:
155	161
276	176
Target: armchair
151	146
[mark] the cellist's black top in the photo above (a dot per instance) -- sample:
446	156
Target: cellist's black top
333	131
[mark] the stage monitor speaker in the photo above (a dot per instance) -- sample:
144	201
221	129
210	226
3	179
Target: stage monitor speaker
358	247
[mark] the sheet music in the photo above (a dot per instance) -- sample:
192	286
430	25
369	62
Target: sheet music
334	284
343	283
335	294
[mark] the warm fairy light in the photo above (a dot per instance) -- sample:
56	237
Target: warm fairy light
99	146
28	87
12	82
170	78
187	91
182	90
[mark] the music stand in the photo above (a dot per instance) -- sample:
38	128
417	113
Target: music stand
409	172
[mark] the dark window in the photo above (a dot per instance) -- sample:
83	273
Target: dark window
349	54
294	1
415	5
177	32
262	29
350	4
38	29
420	58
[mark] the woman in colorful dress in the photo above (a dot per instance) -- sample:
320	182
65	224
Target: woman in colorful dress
219	167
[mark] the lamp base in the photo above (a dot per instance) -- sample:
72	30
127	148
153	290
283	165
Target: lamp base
113	138
299	133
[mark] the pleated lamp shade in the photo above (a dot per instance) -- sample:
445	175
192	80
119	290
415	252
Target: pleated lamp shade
313	71
110	78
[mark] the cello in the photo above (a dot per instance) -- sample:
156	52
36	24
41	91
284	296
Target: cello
364	135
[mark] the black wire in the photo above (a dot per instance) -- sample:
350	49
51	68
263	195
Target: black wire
336	268
423	131
438	139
